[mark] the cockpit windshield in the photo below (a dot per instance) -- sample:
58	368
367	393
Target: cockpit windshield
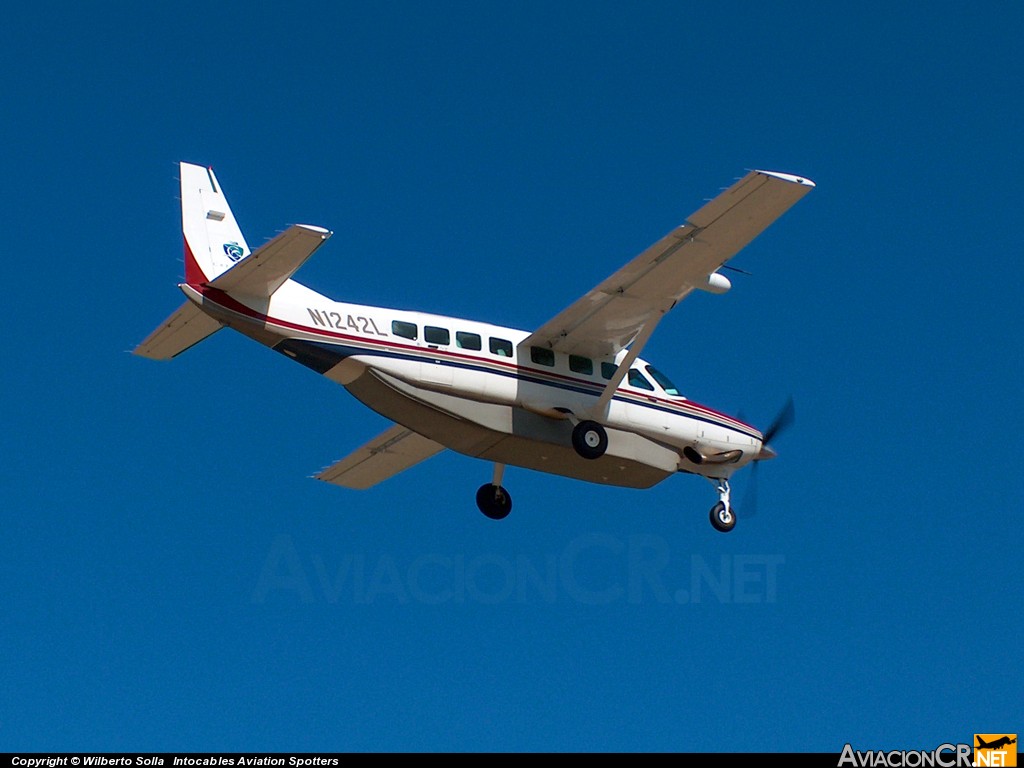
663	381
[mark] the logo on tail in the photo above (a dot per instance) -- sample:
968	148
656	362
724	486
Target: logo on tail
234	251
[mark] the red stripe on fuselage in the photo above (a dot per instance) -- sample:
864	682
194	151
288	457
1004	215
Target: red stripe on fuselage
228	302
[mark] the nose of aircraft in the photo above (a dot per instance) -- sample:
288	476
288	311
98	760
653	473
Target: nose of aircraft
784	419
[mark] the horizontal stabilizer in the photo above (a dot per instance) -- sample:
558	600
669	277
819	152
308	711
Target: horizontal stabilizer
267	268
394	451
186	327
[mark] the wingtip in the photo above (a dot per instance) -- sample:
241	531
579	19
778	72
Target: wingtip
325	233
803	181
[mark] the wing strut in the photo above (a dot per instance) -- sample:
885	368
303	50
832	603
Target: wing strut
600	410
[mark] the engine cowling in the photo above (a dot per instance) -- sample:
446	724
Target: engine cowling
725	457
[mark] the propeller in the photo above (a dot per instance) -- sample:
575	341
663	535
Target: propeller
783	420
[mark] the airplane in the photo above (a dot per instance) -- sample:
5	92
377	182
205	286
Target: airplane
571	398
1002	741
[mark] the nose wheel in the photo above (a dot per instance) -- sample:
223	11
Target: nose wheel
723	514
723	518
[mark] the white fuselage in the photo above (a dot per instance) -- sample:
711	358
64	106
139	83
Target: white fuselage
488	385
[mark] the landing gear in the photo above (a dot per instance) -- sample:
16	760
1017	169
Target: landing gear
589	439
723	514
493	500
723	518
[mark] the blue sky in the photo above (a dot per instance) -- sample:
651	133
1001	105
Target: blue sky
172	578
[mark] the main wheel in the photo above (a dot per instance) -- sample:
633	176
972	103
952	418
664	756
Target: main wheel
494	501
723	518
589	439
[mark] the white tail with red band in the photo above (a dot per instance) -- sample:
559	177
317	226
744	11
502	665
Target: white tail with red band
213	241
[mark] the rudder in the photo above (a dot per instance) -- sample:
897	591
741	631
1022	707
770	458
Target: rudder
213	240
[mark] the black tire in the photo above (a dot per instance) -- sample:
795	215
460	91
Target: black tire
722	519
589	439
494	501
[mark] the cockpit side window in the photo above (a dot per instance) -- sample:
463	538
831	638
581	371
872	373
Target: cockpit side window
638	380
663	381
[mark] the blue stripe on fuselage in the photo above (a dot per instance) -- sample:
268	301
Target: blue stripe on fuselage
322	356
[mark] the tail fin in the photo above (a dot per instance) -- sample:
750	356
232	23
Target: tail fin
214	245
213	241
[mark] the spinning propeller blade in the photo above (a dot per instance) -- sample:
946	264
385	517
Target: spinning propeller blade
783	421
750	496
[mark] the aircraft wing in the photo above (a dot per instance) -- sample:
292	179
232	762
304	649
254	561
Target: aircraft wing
394	451
613	314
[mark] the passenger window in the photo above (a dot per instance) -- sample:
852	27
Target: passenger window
637	379
608	370
579	364
501	347
542	356
405	330
465	340
435	335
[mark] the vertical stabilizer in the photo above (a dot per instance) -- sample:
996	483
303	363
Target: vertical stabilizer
213	241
